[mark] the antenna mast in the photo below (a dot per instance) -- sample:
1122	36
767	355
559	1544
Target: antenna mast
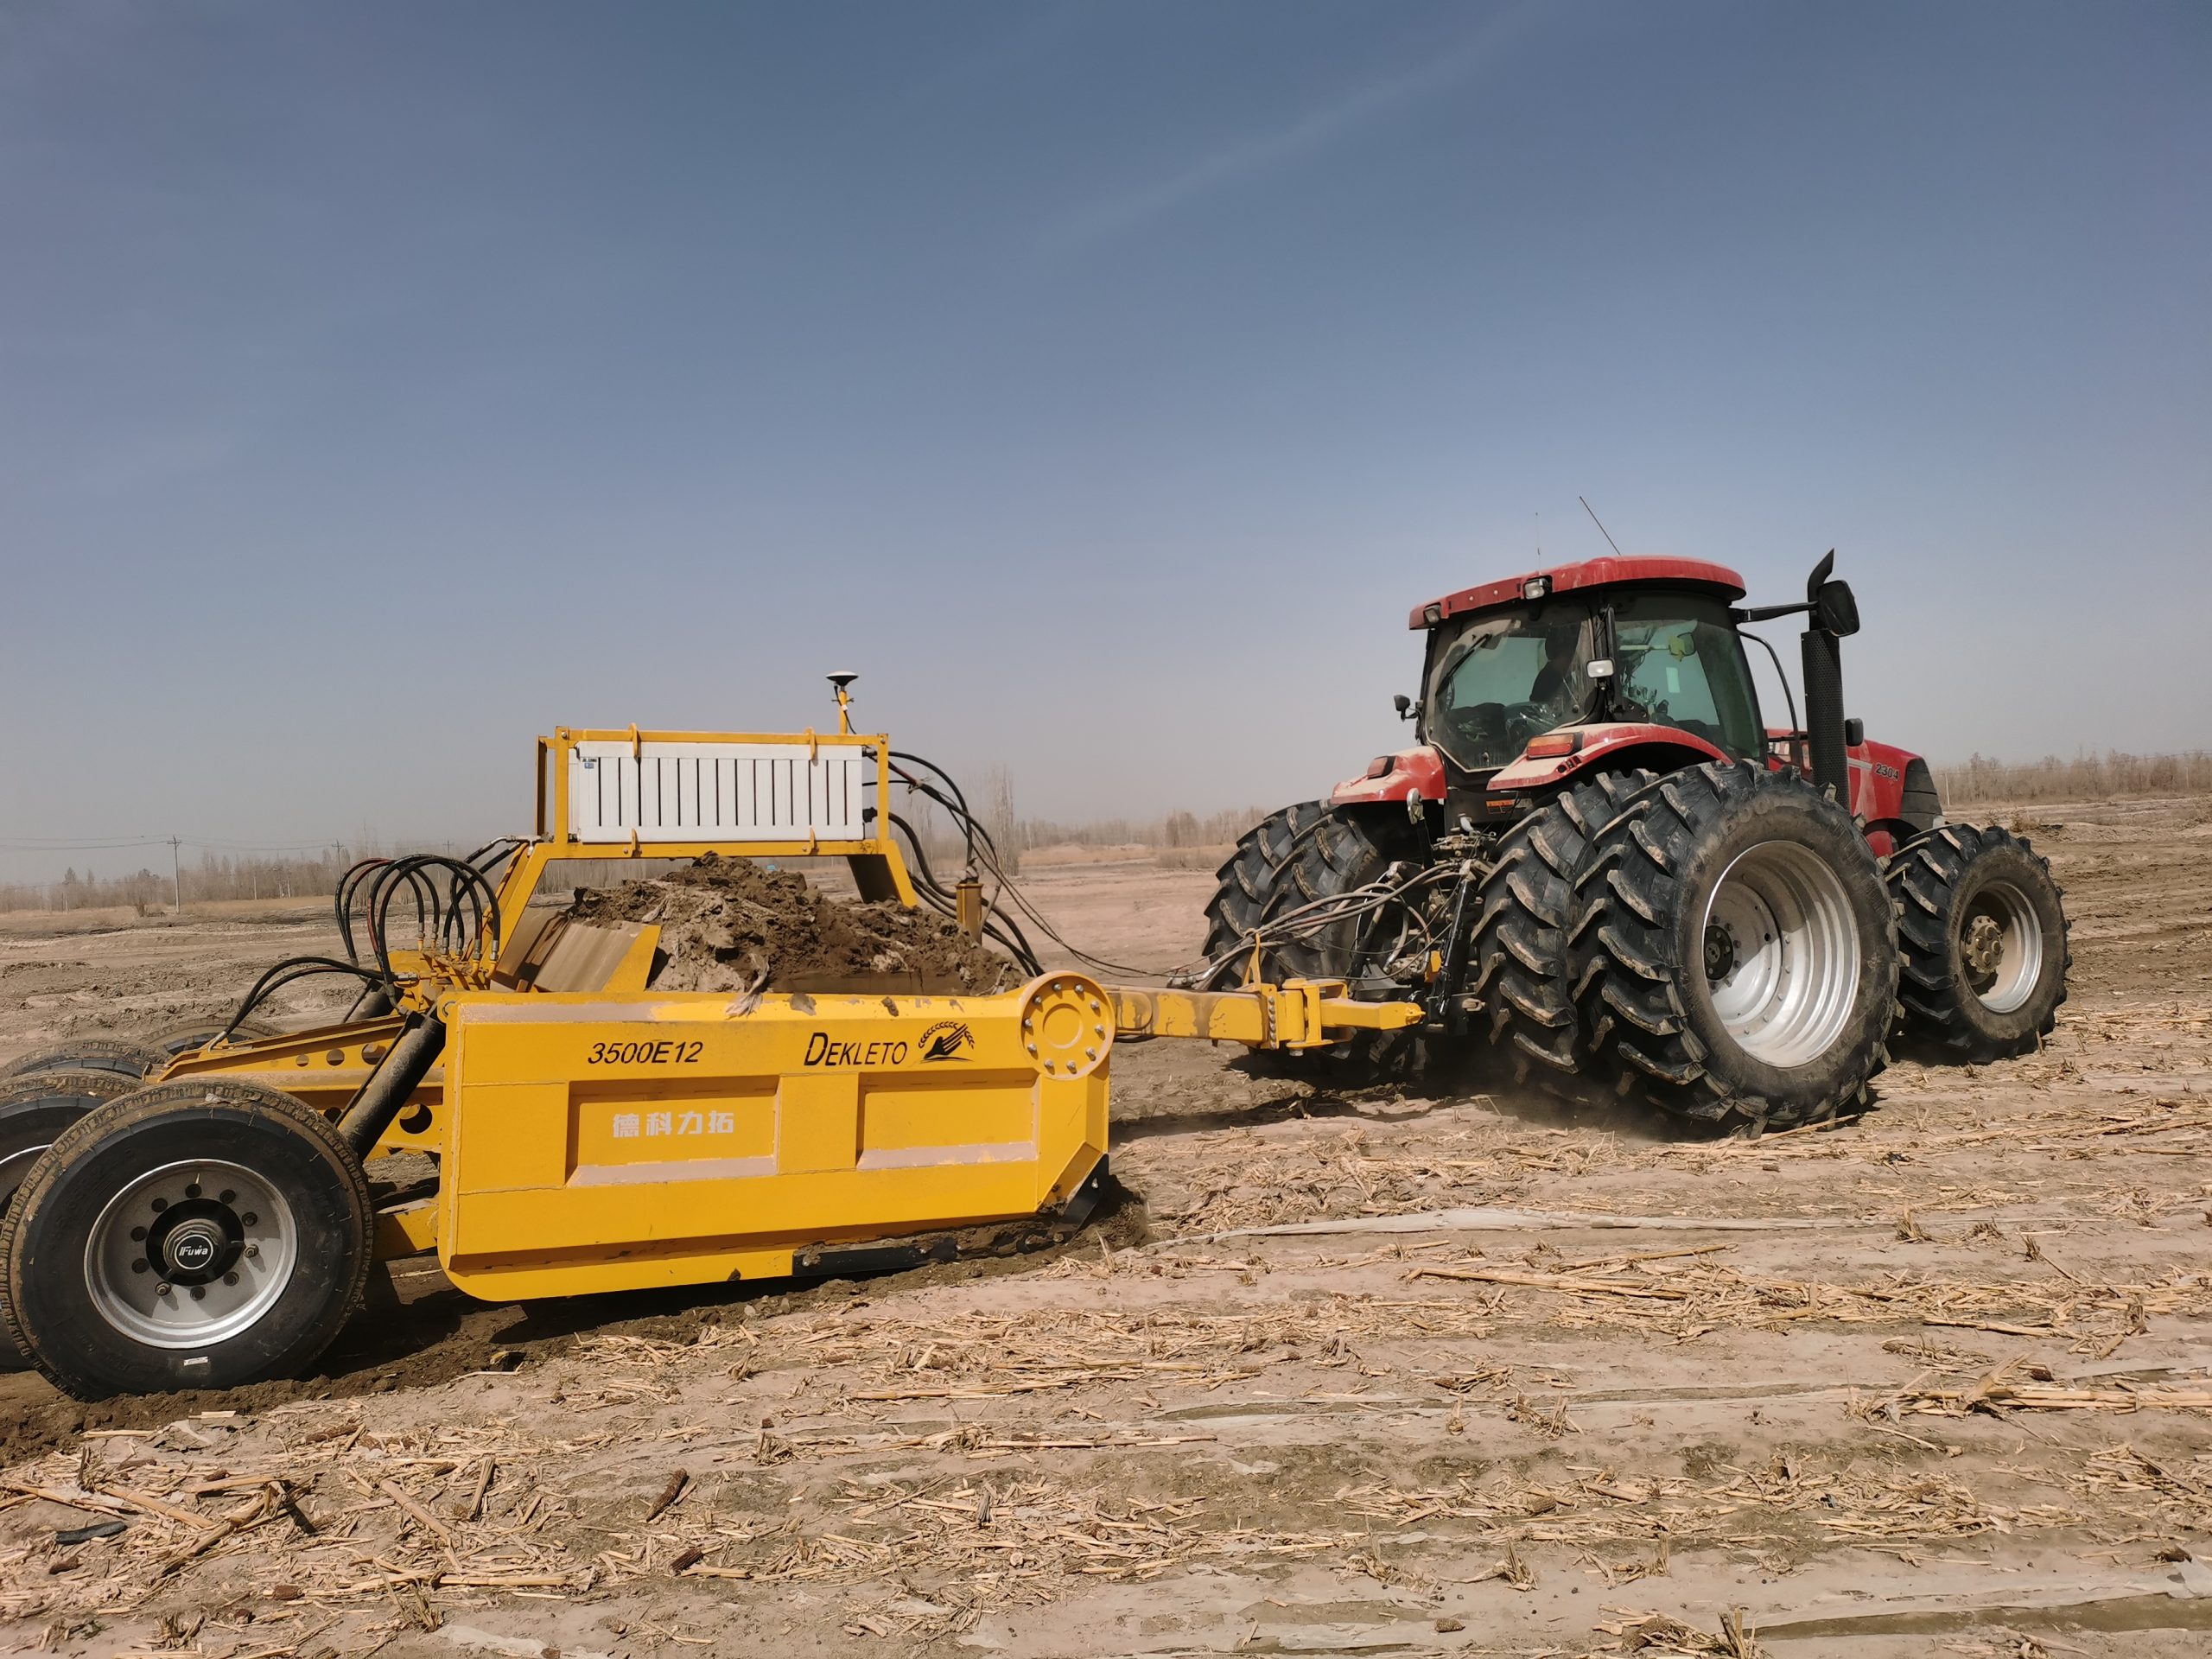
1601	522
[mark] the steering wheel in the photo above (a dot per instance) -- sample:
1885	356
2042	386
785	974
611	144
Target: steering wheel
1478	722
1526	719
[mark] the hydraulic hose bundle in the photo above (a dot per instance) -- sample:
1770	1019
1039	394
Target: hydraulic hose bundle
1396	886
1006	902
998	924
456	906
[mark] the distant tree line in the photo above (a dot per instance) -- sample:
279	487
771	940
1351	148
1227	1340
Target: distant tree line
2084	777
211	876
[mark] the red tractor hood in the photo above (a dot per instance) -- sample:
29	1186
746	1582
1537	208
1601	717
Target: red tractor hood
1602	747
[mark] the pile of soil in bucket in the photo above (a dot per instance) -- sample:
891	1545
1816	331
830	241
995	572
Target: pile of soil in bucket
728	925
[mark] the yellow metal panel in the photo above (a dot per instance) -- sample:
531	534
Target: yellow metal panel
818	1121
638	1129
412	1229
528	1279
604	1143
903	1118
322	1067
507	1137
637	964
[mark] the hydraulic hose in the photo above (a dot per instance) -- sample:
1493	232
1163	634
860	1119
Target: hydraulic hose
294	968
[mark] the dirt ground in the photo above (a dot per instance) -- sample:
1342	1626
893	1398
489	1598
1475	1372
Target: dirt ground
1393	1374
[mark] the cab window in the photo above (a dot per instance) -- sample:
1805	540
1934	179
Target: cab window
1503	680
1678	661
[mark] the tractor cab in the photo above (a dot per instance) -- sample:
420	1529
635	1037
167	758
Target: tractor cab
1536	676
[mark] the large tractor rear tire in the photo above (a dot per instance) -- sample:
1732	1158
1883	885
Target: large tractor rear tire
1983	932
1735	951
1519	948
1247	883
200	1234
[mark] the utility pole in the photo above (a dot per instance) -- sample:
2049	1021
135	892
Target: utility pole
176	879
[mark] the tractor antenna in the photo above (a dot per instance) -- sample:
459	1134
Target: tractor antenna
1601	522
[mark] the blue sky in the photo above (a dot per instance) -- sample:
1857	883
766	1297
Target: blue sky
382	386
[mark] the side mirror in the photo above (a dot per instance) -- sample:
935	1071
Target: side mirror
1404	705
1855	733
1834	610
1600	668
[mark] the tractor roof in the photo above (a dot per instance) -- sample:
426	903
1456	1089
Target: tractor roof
1590	573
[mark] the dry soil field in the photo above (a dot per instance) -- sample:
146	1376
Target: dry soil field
1393	1374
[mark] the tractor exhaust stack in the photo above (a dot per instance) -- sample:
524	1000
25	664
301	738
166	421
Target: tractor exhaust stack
1833	613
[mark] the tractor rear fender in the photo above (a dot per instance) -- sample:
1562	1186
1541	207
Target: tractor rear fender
1892	791
1396	777
1881	773
1612	747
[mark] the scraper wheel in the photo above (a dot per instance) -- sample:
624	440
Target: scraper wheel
191	1235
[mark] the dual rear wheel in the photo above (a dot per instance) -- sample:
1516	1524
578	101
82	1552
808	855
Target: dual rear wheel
1720	944
201	1234
1733	951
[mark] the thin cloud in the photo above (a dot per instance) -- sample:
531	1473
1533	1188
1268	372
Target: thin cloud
1257	154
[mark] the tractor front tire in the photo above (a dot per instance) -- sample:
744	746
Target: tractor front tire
200	1234
1246	884
1984	935
1734	950
1519	945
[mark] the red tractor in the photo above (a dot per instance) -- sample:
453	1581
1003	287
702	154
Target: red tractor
1596	854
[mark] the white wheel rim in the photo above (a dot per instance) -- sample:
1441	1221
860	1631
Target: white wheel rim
191	1254
1782	953
2000	947
13	1168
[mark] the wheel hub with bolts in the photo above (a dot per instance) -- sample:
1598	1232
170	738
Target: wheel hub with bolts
1781	953
1719	951
2000	947
190	1254
1983	948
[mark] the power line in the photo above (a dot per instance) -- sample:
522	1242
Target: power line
45	844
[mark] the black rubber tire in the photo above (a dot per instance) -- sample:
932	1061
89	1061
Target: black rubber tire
1343	851
1942	882
44	1300
1247	883
1637	947
189	1034
125	1058
33	1110
1518	951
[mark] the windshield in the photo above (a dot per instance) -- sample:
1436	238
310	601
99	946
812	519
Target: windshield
1505	679
1679	662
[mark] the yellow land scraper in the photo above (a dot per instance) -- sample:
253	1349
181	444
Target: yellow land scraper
207	1218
